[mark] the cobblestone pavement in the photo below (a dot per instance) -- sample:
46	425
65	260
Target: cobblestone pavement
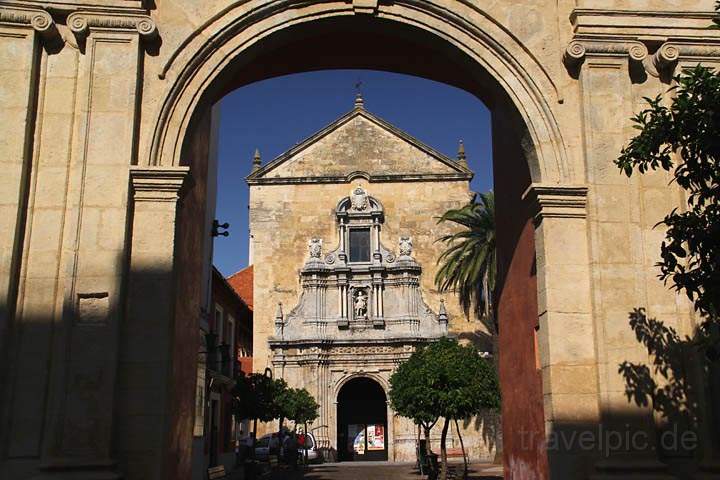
380	471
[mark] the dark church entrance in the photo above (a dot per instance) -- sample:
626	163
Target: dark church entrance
362	421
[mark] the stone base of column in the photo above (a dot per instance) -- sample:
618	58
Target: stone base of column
642	469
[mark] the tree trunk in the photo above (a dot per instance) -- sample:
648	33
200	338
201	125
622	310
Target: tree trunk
443	450
462	447
426	430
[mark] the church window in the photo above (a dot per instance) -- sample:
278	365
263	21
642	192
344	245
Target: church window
359	239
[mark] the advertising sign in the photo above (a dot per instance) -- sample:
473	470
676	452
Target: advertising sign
376	437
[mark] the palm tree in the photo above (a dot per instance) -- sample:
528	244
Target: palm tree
468	266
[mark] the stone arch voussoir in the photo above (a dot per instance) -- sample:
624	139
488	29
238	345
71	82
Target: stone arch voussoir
206	53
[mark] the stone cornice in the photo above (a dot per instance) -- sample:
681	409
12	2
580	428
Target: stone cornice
36	18
557	201
371	178
68	6
82	22
157	184
648	24
582	47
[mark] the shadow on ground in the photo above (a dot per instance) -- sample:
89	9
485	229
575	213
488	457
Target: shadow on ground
380	472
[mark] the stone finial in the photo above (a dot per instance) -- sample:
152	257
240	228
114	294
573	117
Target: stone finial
257	163
461	158
359	103
279	323
442	313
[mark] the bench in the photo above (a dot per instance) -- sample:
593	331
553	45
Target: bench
454	453
216	472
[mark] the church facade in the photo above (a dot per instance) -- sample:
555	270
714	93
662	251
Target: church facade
343	229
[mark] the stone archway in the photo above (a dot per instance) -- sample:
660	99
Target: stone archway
125	88
529	150
362	421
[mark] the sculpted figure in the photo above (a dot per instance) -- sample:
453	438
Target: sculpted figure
360	304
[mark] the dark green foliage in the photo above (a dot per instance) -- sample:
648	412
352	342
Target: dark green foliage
684	138
298	405
469	266
444	379
255	397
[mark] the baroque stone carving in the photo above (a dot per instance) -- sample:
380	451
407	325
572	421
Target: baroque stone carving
359	199
406	246
360	303
315	247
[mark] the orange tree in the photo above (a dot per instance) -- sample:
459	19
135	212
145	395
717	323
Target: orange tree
444	380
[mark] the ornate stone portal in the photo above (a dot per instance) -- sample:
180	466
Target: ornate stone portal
360	311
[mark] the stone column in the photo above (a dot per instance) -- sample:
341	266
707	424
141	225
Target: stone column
144	363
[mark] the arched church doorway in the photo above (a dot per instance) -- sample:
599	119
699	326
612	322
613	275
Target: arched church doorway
362	421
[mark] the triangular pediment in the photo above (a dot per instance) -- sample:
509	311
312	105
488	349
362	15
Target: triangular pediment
359	144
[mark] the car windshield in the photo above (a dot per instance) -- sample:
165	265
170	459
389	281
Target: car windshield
263	442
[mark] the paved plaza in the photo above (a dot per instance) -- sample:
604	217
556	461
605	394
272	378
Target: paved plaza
382	471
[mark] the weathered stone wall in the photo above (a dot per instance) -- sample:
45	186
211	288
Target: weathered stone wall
91	95
283	218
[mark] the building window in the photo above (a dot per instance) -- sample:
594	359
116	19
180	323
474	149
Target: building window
359	239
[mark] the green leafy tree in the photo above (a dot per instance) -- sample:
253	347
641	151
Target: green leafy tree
411	394
298	405
257	397
444	379
468	266
682	135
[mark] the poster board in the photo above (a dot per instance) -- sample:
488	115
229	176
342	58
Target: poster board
375	437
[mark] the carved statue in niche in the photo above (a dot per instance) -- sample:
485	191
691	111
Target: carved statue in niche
315	247
360	303
359	199
406	246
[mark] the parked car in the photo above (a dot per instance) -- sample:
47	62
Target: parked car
269	445
262	447
313	455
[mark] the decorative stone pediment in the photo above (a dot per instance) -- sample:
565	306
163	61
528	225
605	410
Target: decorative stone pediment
359	144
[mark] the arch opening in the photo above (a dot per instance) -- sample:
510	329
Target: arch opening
362	422
361	42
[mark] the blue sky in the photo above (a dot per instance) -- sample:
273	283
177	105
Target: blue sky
273	115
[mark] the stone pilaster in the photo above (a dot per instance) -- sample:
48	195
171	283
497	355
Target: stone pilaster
22	32
565	325
144	361
609	69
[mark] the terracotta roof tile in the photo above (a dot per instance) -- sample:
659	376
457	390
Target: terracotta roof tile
242	283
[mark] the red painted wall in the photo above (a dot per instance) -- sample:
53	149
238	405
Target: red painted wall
521	383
